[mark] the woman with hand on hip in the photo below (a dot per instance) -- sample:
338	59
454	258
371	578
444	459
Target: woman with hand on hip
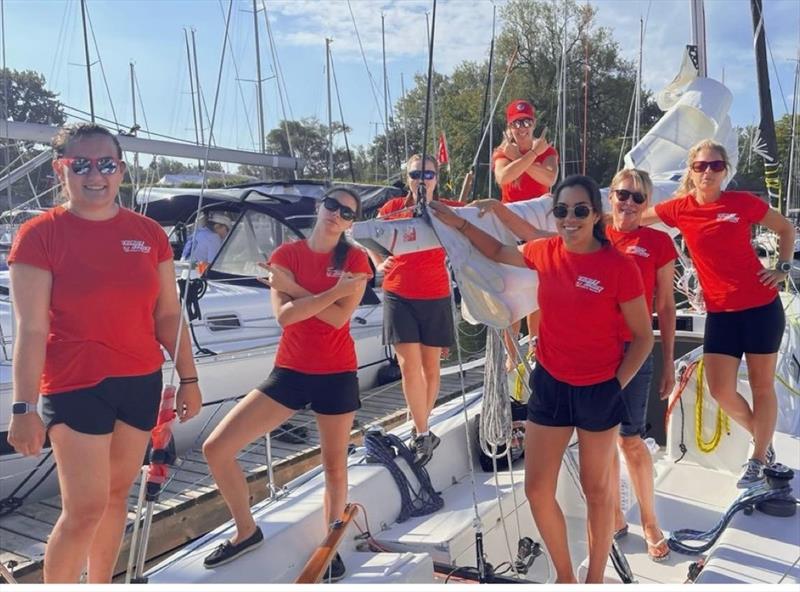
417	318
94	292
745	314
315	285
585	287
525	167
654	254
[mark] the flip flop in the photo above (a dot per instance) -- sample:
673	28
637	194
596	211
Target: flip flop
621	533
653	549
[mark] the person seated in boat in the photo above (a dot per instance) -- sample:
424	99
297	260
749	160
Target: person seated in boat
204	244
417	318
582	365
745	314
525	167
315	285
93	286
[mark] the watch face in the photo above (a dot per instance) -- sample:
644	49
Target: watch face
785	267
20	408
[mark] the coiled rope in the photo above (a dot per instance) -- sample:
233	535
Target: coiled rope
722	418
495	420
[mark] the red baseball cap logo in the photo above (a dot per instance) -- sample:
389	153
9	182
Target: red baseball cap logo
519	109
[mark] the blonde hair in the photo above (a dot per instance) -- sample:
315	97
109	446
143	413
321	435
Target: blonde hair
428	158
686	185
640	178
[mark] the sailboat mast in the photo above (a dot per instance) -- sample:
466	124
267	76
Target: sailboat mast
135	175
490	98
405	117
563	98
330	112
769	148
637	104
385	98
191	86
199	94
88	63
260	99
792	178
699	36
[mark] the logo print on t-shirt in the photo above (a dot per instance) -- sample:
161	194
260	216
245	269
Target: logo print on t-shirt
590	284
135	246
637	250
410	234
726	217
333	272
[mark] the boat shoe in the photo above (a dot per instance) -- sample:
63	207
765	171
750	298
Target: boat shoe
229	551
753	474
335	571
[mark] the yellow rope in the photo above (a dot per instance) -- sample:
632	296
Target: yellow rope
722	418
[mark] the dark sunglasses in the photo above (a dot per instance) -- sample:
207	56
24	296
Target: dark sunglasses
526	123
579	211
700	166
427	175
624	194
106	165
346	213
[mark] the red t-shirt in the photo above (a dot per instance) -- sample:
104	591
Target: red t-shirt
313	346
523	187
422	275
651	250
579	295
718	237
104	293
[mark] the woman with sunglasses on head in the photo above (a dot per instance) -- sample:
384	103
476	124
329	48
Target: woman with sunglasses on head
585	285
745	314
315	285
654	254
417	319
525	167
93	286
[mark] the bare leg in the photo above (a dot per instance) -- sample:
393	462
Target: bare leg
128	446
544	449
721	371
596	450
640	469
83	476
431	357
761	374
334	433
619	517
409	356
252	417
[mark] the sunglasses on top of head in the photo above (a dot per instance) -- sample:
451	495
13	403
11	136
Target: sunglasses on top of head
346	213
106	165
700	166
579	211
526	123
624	194
426	175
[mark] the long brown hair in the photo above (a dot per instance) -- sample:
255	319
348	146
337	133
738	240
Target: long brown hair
687	185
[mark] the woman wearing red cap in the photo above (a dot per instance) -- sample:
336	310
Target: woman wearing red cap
525	168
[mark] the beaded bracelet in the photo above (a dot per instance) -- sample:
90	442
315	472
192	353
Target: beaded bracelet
191	380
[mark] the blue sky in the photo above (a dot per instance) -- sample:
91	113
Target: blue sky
45	35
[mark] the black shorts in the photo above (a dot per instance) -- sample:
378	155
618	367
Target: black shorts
595	408
756	330
94	410
406	320
326	394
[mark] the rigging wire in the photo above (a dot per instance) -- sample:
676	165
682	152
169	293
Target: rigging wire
280	83
341	117
102	69
372	85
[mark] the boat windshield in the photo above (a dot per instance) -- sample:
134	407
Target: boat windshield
253	239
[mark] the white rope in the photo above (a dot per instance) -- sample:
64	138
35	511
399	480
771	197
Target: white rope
495	422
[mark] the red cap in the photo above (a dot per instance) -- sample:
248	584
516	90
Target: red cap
519	109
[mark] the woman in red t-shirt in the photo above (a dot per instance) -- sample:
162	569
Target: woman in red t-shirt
654	254
745	314
417	318
93	287
525	167
315	285
585	286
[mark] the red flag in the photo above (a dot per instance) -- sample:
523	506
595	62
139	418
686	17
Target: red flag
442	155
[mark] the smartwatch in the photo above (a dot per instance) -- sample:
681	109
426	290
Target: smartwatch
22	407
783	266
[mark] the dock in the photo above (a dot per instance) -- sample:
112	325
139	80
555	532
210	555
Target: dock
190	504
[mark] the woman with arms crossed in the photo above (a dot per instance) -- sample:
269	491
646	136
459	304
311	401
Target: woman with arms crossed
582	366
745	314
315	285
94	289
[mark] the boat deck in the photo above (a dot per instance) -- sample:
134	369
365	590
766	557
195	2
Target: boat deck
190	504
